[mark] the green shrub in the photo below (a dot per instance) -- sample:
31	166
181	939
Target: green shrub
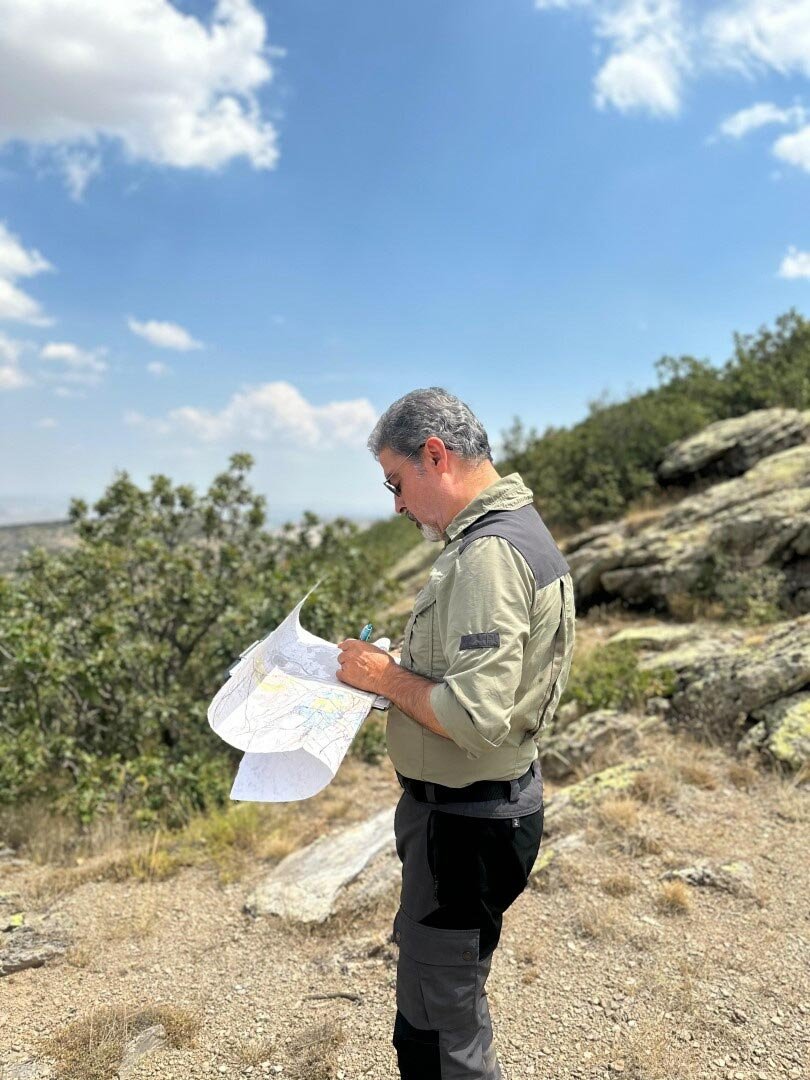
609	678
740	592
369	742
111	652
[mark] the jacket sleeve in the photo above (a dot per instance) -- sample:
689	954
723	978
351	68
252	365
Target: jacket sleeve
484	628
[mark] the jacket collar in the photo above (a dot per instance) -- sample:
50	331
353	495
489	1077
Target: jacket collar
507	493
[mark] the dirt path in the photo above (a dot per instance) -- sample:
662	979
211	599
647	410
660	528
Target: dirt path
592	979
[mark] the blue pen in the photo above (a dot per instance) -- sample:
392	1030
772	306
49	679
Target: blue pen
365	633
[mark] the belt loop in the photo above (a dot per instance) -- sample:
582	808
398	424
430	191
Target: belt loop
430	792
514	791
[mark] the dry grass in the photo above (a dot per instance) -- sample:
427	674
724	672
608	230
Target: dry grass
620	817
618	884
91	1048
674	898
232	840
743	774
619	814
256	1052
314	1053
654	785
653	1051
698	775
597	920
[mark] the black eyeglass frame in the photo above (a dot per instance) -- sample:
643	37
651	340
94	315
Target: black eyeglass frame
396	489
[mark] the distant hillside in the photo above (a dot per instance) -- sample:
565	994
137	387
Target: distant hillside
17	539
607	464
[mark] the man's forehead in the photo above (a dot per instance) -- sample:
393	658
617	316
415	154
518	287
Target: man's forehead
389	459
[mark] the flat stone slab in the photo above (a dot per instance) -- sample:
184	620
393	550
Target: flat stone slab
145	1042
310	885
27	948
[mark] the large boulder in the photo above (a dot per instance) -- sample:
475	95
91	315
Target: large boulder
731	447
564	749
345	870
761	518
720	694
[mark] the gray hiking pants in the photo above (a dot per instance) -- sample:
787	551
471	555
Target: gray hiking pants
459	874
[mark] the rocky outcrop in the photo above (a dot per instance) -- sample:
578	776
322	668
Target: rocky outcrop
732	877
782	731
347	870
731	447
749	687
760	519
722	693
563	749
565	808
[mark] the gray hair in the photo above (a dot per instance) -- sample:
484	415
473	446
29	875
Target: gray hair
413	419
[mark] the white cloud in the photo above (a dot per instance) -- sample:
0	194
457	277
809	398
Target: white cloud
648	56
794	148
756	34
168	87
650	48
17	262
269	412
158	369
763	114
165	335
78	168
76	365
796	264
11	377
46	422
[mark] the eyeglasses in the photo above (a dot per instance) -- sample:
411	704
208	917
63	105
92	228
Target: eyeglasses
396	489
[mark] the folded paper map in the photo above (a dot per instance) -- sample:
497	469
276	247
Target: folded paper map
285	707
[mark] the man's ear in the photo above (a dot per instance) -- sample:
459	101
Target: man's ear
437	453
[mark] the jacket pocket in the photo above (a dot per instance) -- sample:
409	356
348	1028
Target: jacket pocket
421	633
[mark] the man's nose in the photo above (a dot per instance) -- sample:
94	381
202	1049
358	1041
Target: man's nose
399	504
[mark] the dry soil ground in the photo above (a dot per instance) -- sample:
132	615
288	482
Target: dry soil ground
599	974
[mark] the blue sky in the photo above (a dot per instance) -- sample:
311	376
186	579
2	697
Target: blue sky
252	225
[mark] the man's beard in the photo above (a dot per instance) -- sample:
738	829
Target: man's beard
429	532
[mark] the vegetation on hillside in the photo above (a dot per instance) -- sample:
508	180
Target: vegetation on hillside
111	652
600	467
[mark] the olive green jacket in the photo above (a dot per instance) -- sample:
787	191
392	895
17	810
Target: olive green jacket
497	645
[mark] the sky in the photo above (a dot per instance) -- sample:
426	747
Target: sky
251	225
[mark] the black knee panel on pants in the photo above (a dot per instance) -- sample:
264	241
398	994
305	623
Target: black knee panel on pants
417	1051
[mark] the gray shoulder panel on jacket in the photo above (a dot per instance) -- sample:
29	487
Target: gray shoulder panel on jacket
526	531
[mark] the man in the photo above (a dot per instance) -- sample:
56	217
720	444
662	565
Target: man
485	658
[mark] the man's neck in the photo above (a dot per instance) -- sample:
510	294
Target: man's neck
470	487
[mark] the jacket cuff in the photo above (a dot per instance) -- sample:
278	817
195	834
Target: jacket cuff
457	722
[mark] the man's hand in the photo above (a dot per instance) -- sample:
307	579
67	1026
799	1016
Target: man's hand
363	666
366	667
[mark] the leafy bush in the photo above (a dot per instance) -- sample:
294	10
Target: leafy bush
111	652
610	678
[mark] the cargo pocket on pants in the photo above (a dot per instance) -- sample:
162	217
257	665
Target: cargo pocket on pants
437	976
